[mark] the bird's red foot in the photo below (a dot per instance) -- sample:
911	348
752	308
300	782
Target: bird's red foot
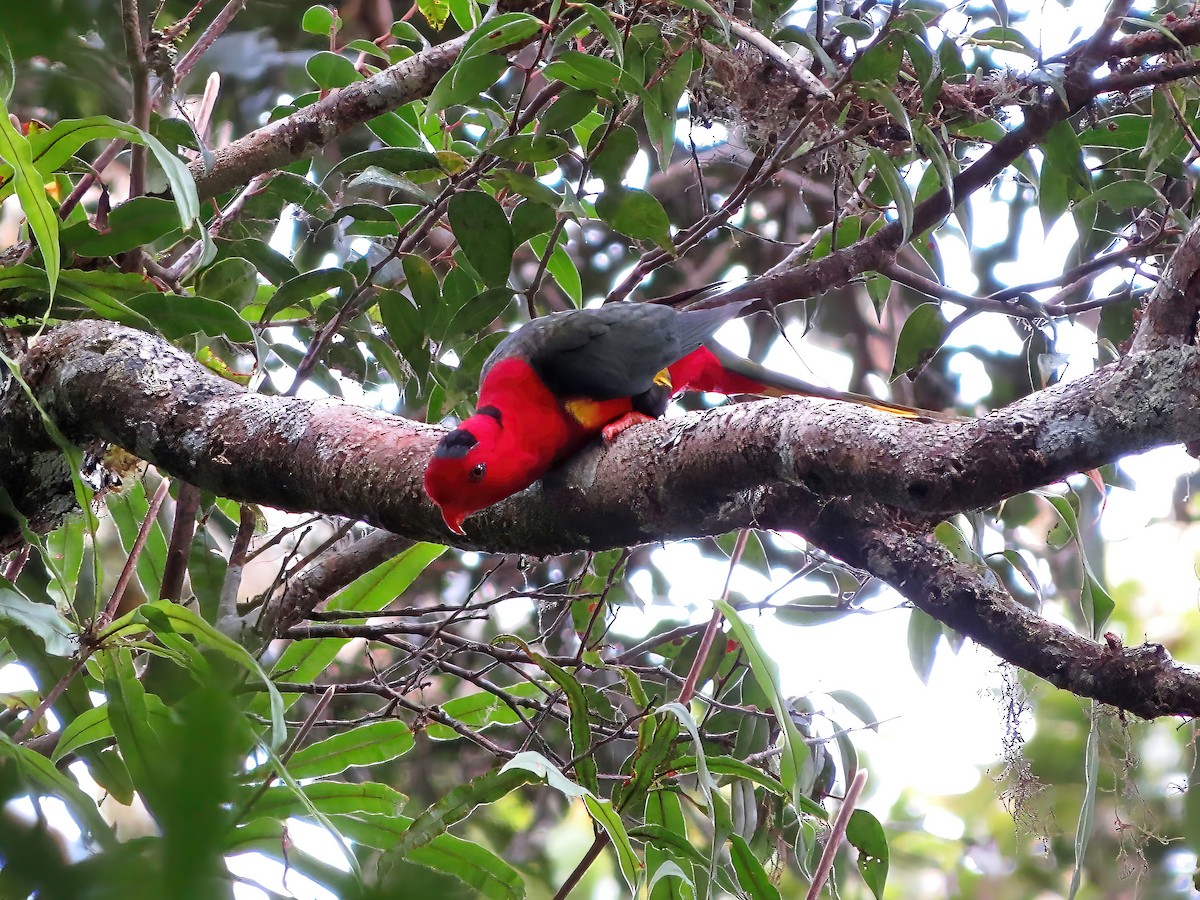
612	429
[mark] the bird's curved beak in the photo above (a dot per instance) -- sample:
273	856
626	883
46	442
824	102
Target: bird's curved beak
453	519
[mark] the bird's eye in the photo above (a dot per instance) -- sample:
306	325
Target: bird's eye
478	472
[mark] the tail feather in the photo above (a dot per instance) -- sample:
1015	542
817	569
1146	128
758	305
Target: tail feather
713	368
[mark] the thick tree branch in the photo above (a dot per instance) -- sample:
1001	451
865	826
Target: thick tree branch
304	132
773	464
1143	680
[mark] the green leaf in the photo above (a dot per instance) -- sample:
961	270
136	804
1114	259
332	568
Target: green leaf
529	147
306	286
484	234
896	186
330	71
303	661
165	618
532	218
1097	604
52	148
1123	195
569	109
423	283
866	835
8	71
477	313
472	864
129	510
855	29
436	12
366	745
1009	39
141	746
464	82
41	619
138	222
636	214
858	706
880	61
498	33
920	338
460	803
320	20
528	187
390	159
612	161
586	72
605	25
884	96
751	875
176	316
43	779
796	763
329	798
705	780
732	767
659	110
1087	810
924	632
609	819
31	192
233	281
945	167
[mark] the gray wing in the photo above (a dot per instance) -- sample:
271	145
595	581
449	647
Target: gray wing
613	351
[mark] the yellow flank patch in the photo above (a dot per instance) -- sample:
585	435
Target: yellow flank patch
663	378
591	414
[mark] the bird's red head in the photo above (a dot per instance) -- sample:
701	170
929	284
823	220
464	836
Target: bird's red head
472	468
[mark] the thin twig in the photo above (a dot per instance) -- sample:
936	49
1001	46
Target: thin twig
179	548
836	834
710	631
135	50
118	594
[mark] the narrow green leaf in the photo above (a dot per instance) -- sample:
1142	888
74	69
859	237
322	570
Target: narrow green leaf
390	159
303	661
141	747
164	617
472	864
366	745
609	819
894	182
498	33
751	875
858	706
31	192
45	780
460	803
795	765
328	798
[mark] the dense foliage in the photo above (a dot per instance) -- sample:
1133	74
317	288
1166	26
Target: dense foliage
266	206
